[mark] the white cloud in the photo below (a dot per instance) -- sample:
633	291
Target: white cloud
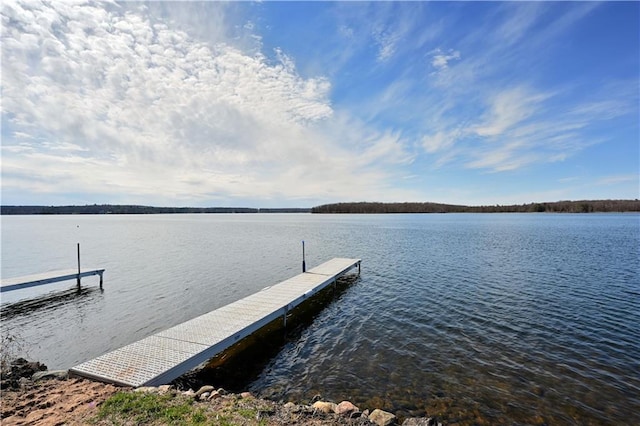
440	61
182	101
118	102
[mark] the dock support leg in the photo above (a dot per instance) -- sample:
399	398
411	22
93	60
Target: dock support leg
100	280
78	266
304	264
358	268
285	317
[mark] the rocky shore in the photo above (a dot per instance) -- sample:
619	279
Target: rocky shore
31	395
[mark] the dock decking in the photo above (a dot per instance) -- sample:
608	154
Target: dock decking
162	357
17	283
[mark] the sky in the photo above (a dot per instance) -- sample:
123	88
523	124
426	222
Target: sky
297	104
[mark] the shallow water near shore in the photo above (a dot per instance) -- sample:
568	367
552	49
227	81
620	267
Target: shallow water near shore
485	318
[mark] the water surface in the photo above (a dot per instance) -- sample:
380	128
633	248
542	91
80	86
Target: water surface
476	318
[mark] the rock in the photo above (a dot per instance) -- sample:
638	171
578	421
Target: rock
324	407
204	396
382	418
221	391
146	389
164	389
421	421
215	395
17	369
190	392
345	408
316	397
416	421
246	395
292	407
53	374
22	365
203	389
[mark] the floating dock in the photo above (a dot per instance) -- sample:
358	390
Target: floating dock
10	284
162	357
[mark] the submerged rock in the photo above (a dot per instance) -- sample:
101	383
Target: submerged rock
421	421
53	374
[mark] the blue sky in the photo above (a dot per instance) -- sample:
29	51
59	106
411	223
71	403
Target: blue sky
297	104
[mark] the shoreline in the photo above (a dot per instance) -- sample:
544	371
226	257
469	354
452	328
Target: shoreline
42	397
359	207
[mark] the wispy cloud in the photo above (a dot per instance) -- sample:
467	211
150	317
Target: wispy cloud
388	26
616	179
482	116
509	108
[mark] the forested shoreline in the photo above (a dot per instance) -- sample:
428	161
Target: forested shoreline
583	206
135	209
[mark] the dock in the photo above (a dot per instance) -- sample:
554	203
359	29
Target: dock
165	356
17	283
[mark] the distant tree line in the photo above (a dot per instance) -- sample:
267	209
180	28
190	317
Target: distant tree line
133	209
584	206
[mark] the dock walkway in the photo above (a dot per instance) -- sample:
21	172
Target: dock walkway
162	357
17	283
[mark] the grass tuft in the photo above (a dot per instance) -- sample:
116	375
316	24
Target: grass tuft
149	408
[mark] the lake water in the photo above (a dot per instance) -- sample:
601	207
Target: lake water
476	318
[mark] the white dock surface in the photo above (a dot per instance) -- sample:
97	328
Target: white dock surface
162	357
17	283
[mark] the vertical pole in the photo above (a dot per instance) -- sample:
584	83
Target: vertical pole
100	280
78	266
304	265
